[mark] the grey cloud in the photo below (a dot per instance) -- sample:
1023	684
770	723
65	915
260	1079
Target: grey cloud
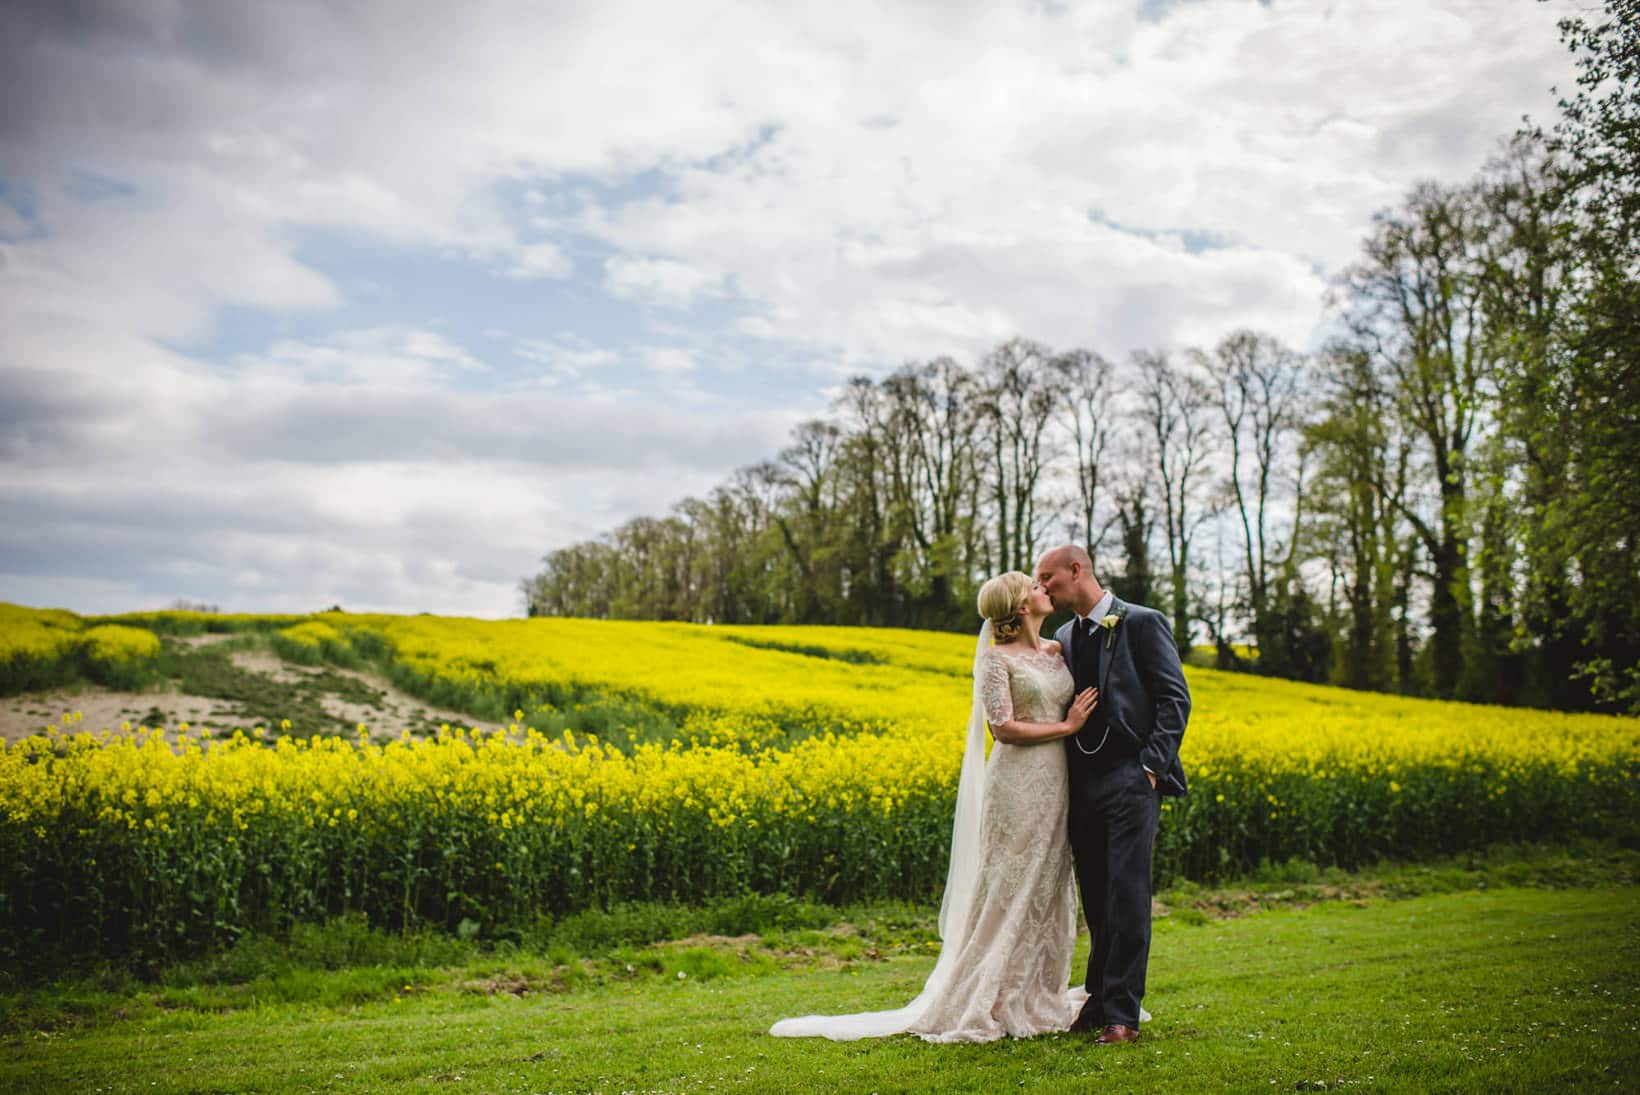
219	125
44	413
294	496
324	426
142	544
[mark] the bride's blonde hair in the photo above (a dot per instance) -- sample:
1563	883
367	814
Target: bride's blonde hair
1002	600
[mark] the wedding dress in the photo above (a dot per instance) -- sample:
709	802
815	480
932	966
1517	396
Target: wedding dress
1008	920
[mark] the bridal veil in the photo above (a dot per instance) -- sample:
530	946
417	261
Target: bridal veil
961	882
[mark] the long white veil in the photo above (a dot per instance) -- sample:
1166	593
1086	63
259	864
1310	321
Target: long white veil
961	880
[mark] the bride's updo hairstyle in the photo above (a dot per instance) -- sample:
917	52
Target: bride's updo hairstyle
1001	600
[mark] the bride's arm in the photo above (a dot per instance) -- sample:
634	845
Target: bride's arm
996	692
1014	732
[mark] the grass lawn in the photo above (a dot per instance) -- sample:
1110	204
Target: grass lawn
1493	989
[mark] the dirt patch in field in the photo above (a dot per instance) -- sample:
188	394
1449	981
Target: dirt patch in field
339	698
741	944
207	639
269	665
102	709
384	709
512	984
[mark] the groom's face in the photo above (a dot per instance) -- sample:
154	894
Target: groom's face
1055	578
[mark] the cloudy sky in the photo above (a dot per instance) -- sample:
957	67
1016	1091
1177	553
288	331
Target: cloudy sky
375	303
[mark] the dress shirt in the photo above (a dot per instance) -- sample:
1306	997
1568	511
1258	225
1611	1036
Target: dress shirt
1100	610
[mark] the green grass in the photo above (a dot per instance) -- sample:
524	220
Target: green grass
1508	989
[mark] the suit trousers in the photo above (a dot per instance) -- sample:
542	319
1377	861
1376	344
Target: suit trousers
1113	819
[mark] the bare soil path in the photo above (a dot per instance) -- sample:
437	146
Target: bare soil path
337	697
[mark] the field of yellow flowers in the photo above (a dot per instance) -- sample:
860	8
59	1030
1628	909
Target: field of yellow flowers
40	648
805	760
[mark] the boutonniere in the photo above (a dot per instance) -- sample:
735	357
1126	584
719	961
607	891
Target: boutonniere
1109	624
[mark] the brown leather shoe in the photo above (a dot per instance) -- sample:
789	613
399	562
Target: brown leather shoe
1116	1033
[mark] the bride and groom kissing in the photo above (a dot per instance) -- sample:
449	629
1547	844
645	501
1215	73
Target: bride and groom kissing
1087	729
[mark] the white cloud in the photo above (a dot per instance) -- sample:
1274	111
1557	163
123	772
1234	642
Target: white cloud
933	186
848	185
540	260
363	470
661	281
382	357
668	359
564	358
926	186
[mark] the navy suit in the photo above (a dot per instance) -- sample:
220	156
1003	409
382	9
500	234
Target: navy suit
1144	704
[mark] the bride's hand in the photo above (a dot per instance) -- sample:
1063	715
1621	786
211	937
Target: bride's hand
1081	707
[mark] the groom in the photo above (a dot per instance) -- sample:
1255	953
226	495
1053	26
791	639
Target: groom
1124	758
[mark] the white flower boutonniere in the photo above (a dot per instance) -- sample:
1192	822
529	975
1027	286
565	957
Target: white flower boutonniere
1109	624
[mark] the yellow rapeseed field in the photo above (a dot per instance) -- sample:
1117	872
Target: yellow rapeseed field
43	647
816	760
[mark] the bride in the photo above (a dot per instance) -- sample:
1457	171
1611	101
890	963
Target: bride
1008	919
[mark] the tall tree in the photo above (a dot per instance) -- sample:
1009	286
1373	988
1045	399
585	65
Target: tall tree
1598	136
1090	411
1530	270
871	530
1174	410
933	418
1018	401
806	470
1359	470
1414	303
1258	389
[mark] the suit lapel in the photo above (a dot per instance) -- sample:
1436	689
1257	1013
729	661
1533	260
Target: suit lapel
1108	641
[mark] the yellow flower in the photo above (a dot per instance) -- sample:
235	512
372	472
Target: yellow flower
774	735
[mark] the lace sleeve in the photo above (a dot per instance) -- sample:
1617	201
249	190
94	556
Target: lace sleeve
995	689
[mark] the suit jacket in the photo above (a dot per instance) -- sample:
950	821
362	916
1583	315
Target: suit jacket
1142	692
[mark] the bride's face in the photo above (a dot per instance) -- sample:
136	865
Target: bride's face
1037	601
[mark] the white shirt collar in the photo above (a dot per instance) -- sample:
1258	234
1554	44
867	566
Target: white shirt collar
1102	609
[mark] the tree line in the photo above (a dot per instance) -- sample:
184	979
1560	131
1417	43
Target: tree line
1444	499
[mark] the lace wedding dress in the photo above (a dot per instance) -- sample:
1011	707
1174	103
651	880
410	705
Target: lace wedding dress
1008	922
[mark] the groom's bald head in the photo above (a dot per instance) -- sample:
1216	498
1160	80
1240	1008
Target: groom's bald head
1066	575
1069	555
